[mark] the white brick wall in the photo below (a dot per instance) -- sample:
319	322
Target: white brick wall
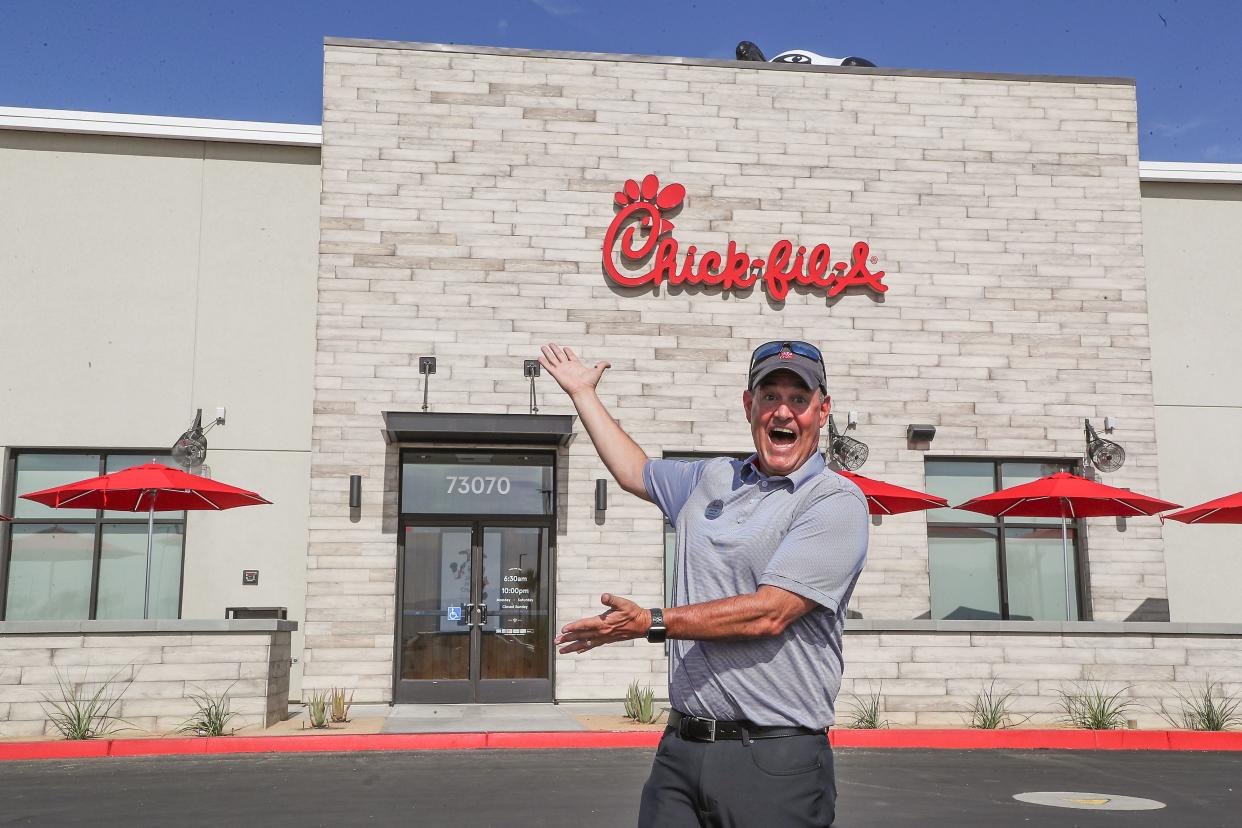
464	201
154	672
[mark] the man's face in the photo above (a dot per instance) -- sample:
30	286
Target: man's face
785	419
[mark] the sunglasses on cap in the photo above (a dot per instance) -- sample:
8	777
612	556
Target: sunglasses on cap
771	349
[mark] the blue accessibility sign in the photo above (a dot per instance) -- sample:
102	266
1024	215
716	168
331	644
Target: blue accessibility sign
454	613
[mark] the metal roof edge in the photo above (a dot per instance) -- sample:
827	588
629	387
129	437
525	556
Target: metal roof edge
464	48
457	427
121	626
159	126
1195	172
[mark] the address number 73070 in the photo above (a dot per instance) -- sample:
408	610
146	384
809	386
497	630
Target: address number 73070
477	485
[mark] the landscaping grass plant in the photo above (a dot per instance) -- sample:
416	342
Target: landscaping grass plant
864	713
640	704
340	704
80	713
1208	709
1091	707
317	709
990	710
213	715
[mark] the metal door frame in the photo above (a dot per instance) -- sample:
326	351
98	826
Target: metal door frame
433	691
475	689
499	690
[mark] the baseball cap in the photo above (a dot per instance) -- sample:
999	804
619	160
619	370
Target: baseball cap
803	359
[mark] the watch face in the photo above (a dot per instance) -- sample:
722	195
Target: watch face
657	632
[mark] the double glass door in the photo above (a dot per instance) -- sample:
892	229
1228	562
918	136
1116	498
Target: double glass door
474	603
474	619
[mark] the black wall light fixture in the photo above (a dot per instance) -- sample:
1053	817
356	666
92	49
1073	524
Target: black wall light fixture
601	495
355	491
532	369
920	433
426	367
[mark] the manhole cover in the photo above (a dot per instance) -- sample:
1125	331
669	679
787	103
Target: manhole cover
1088	801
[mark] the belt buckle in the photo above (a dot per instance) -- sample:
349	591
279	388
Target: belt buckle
702	730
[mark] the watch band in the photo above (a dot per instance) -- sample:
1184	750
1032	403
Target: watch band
657	633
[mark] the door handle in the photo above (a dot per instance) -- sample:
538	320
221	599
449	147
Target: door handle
466	611
481	620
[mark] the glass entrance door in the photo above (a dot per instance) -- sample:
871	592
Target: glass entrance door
515	650
437	619
474	619
474	614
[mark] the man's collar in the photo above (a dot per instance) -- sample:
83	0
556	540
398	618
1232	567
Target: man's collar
813	466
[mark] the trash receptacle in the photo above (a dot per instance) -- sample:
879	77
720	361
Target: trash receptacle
242	613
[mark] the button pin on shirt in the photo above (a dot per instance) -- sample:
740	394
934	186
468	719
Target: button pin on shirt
714	509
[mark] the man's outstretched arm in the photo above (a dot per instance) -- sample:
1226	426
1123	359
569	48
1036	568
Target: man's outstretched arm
624	458
833	533
765	612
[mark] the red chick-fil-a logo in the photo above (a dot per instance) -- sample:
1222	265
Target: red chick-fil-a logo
645	206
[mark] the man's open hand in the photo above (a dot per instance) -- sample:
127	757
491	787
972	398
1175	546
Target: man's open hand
571	374
622	621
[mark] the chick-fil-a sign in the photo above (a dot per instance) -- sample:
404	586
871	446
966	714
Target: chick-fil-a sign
645	205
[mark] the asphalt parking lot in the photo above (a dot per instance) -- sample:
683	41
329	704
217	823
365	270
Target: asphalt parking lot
598	788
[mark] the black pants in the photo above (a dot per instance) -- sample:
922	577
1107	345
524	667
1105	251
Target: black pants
770	783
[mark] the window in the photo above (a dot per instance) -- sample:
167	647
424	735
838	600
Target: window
670	534
473	483
983	567
74	564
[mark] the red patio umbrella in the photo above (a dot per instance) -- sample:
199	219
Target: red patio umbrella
1065	495
149	488
1227	509
887	499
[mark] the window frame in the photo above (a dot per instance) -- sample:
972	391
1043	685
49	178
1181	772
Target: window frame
9	494
1076	527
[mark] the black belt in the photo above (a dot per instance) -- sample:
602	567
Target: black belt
712	730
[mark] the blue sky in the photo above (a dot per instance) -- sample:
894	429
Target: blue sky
261	60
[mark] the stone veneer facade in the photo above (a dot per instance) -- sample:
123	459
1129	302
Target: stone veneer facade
928	673
153	668
464	201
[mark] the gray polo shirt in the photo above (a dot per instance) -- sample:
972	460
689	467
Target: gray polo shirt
736	530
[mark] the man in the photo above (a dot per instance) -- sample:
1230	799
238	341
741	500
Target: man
768	552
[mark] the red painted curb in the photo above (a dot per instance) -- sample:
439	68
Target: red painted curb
1199	740
54	750
575	739
334	743
154	747
966	739
1037	739
343	743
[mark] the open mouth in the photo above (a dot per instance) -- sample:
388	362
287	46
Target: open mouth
781	436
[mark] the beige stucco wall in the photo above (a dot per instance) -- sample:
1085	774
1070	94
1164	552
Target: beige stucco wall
152	277
465	196
1193	246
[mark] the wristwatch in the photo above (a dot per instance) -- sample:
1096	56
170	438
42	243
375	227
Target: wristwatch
657	632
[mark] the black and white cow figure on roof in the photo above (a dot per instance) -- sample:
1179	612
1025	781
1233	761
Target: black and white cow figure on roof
749	51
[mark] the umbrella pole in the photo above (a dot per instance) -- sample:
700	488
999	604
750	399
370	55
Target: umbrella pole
146	588
1065	555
